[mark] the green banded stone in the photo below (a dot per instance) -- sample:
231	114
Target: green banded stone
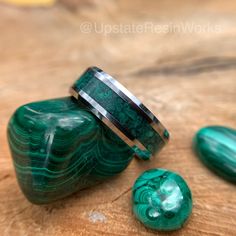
216	148
58	147
161	199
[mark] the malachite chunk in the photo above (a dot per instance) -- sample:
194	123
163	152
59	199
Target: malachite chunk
58	147
216	147
161	200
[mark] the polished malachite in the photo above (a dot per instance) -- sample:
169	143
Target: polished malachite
133	123
58	147
161	199
216	148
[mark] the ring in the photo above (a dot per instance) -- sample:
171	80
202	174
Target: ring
121	111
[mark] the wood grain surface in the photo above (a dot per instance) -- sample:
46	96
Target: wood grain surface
186	77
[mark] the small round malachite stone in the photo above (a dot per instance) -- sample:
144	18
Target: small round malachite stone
216	148
161	199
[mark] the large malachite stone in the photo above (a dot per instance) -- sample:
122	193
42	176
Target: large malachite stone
216	147
161	199
58	147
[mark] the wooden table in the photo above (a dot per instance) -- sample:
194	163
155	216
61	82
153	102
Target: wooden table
186	77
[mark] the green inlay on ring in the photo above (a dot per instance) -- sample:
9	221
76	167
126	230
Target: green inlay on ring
126	115
58	147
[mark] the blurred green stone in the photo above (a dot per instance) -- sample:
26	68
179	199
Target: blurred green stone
216	148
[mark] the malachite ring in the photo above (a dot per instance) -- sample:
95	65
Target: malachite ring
121	111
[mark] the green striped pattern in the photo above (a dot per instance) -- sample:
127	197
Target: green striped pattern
58	147
216	148
161	200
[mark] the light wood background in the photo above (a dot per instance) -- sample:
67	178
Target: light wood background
187	78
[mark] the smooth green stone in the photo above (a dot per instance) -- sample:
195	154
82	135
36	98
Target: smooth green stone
216	147
58	147
161	199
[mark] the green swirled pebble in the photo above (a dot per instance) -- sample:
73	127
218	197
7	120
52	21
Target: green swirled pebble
161	199
58	148
216	148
